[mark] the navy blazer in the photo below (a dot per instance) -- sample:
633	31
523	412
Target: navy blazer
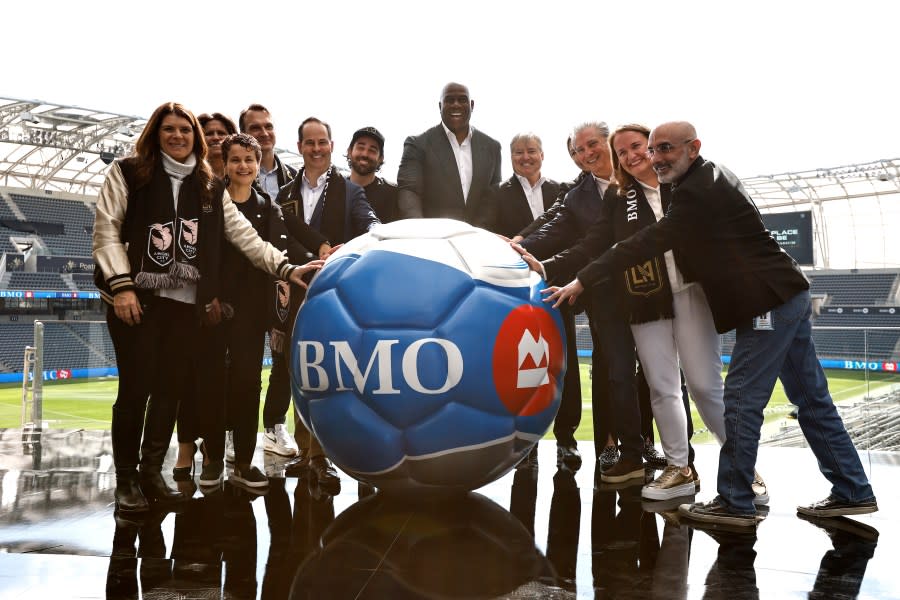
578	211
512	208
429	182
720	241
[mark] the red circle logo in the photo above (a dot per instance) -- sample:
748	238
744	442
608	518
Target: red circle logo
529	358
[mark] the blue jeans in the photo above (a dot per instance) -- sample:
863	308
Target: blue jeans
758	359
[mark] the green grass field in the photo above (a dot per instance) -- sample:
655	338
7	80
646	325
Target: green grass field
87	404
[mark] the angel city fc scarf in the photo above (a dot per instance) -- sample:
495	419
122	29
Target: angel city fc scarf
171	236
647	293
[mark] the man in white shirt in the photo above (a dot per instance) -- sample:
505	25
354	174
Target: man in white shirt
527	194
428	188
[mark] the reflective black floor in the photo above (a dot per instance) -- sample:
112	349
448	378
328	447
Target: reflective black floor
533	534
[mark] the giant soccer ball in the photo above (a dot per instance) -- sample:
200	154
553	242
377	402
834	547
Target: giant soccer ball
424	358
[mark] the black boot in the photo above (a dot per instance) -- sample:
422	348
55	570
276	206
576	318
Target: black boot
156	489
129	498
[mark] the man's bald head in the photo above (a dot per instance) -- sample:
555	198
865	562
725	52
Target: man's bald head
673	147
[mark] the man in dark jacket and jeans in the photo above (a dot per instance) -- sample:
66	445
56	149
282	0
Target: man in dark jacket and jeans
754	286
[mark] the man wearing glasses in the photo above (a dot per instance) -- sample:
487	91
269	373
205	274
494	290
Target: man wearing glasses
756	288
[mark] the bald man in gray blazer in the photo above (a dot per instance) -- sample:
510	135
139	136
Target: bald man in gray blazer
449	170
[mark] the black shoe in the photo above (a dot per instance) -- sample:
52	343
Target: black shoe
835	507
156	489
608	457
652	457
129	497
324	475
212	473
249	478
567	454
717	513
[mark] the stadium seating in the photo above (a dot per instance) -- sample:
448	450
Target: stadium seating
859	288
37	281
75	216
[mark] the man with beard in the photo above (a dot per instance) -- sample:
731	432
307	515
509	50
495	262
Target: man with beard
756	288
337	208
365	155
448	171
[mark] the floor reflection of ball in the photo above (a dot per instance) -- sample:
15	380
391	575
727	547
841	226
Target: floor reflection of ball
424	357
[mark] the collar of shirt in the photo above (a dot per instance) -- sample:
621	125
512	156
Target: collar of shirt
527	186
311	193
268	180
602	184
534	194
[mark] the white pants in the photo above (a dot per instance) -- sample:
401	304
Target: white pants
692	337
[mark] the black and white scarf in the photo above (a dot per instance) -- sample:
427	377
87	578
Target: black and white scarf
171	237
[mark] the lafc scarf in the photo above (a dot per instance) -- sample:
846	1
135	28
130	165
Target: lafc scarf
646	293
170	241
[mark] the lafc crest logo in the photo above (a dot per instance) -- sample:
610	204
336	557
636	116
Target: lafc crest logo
159	243
282	300
644	279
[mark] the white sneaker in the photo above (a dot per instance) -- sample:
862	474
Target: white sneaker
277	440
229	446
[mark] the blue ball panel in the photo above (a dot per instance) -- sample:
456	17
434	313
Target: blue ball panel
456	425
387	289
354	436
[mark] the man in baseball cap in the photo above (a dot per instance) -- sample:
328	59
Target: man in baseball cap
365	155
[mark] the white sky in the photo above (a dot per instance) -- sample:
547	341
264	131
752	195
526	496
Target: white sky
771	86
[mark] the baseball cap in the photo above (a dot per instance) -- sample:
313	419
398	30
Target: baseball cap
372	133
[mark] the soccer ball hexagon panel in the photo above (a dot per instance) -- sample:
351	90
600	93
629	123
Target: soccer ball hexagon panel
424	358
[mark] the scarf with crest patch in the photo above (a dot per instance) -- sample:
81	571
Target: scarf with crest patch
169	238
646	294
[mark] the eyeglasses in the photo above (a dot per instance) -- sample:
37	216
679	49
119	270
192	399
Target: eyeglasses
666	147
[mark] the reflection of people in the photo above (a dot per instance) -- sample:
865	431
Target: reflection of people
752	285
624	544
843	568
157	273
448	170
733	574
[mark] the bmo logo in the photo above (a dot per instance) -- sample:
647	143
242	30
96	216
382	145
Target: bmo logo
424	357
377	372
529	356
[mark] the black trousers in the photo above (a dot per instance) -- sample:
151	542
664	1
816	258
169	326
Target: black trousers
569	415
615	406
245	336
154	362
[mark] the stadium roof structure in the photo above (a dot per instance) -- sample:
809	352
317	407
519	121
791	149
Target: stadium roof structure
855	210
51	147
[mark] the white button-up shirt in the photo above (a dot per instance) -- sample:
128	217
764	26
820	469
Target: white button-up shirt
463	154
310	194
534	194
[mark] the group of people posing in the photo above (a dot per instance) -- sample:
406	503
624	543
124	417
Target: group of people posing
660	248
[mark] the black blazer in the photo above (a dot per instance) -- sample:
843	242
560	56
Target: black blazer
429	179
719	240
512	208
